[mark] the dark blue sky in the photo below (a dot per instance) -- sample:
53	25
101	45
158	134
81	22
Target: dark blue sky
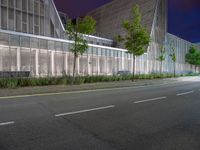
183	15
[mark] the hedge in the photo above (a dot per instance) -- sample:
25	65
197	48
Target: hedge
66	80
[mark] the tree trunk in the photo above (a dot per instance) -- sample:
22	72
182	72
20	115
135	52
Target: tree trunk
74	69
195	68
133	79
174	69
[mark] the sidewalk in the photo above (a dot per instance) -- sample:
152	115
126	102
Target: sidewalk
93	86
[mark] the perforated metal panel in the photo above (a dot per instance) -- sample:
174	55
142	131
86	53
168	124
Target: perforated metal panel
30	16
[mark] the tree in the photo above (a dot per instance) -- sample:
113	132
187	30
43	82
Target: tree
161	58
198	59
77	32
137	38
173	57
193	57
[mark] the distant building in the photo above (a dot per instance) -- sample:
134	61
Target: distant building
110	16
109	19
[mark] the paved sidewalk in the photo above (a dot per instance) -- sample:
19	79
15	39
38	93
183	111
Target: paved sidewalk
93	86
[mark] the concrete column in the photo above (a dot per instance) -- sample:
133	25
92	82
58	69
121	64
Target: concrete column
105	65
132	63
123	67
88	65
18	59
116	65
147	67
52	63
98	67
37	62
66	63
135	65
78	65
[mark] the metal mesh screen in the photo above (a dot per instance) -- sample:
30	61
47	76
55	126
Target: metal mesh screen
43	62
4	59
25	59
83	65
13	59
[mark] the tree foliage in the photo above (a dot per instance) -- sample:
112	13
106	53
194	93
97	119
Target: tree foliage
193	56
77	33
162	54
137	38
173	57
161	58
173	54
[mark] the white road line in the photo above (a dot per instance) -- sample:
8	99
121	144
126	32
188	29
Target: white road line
148	100
185	93
85	91
6	123
83	111
70	92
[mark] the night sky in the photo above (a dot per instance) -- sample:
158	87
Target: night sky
183	15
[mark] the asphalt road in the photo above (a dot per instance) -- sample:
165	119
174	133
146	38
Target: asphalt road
156	117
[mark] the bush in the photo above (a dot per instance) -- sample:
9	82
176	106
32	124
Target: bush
3	83
192	74
79	80
66	80
12	83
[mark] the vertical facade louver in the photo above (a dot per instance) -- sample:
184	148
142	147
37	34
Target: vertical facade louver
37	17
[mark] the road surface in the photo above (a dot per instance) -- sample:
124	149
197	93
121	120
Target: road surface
154	117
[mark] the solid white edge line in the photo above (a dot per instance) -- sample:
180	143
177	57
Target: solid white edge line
69	92
83	91
83	111
185	93
152	99
6	123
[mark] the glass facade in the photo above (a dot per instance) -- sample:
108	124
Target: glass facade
42	56
37	17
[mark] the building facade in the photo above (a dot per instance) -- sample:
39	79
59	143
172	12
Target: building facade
154	17
32	39
110	17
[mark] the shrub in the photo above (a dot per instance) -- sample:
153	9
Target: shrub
79	80
3	83
12	83
66	80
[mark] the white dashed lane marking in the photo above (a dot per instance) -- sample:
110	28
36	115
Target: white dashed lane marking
84	111
149	100
6	123
185	93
